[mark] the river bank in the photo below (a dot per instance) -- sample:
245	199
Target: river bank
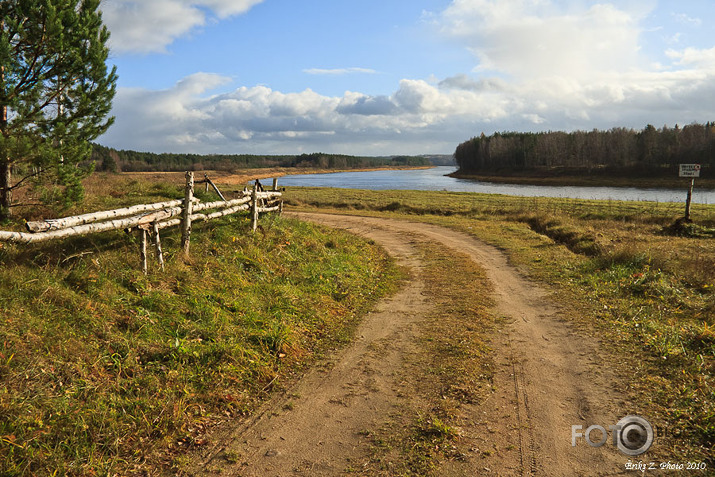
543	178
241	176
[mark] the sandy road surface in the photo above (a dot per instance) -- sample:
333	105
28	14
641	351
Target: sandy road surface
548	378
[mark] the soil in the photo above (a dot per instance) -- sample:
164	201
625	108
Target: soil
243	176
548	377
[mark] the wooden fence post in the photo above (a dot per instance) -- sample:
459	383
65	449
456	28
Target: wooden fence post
254	207
206	179
142	250
186	219
157	244
688	200
275	183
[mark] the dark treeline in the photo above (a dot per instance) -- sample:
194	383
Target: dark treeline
108	159
650	151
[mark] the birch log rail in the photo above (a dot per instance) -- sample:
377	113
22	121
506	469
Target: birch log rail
57	224
130	222
149	219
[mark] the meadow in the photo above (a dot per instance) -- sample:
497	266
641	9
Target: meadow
104	370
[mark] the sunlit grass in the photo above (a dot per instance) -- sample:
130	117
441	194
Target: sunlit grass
106	371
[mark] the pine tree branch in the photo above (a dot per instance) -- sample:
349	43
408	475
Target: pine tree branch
28	204
19	183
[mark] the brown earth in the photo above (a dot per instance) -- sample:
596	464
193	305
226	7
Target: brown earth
548	377
243	176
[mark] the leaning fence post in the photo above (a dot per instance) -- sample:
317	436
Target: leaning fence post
142	250
188	206
157	244
254	207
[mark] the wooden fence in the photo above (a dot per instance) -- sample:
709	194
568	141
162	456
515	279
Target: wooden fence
149	219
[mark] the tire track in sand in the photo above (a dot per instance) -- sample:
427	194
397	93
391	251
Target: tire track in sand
547	378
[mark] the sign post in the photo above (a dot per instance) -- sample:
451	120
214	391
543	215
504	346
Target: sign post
692	171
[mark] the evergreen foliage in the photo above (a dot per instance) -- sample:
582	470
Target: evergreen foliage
650	151
108	159
55	94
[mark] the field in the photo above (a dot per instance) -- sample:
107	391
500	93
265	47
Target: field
104	370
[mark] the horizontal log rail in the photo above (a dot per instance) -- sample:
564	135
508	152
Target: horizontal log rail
56	224
205	217
149	219
117	224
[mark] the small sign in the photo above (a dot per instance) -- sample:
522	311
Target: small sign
689	170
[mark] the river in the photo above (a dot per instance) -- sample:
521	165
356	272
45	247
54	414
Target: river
436	179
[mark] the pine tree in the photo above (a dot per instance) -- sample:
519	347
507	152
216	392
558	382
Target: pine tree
55	93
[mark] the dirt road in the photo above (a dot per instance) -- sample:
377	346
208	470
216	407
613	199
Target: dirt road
548	377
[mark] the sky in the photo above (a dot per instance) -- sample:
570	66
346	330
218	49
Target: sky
389	77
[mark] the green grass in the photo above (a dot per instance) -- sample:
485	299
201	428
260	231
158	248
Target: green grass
619	271
105	371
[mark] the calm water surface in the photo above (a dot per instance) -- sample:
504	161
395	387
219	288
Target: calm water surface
435	179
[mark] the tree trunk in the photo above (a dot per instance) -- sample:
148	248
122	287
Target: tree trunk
5	166
5	191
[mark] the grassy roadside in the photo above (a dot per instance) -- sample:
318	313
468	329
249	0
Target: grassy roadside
105	371
452	371
623	275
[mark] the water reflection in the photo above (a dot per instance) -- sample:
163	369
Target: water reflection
436	179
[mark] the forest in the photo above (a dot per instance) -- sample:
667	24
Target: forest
651	151
113	160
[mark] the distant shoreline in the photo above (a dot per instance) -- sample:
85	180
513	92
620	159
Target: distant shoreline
538	178
541	178
242	176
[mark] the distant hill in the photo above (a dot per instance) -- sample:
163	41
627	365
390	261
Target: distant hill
109	159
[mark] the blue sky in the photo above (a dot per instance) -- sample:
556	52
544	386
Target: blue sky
399	77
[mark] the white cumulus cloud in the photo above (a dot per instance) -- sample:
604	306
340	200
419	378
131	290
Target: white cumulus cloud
538	65
693	56
142	26
538	38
